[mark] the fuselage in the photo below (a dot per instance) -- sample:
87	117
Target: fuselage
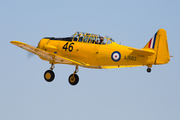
95	54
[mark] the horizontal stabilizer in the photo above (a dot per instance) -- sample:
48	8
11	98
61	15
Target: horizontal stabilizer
143	51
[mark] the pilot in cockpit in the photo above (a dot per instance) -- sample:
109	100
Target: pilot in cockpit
81	38
101	40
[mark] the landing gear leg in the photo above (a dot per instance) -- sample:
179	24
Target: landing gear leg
74	78
52	66
49	74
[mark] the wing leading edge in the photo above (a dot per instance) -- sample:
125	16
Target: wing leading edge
54	58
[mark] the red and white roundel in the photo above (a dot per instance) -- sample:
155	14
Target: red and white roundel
116	56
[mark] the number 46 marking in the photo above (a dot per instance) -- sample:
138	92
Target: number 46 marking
70	47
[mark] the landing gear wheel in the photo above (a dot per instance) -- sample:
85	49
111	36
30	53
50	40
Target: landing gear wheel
148	70
73	79
49	75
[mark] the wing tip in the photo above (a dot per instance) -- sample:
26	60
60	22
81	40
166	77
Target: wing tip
16	42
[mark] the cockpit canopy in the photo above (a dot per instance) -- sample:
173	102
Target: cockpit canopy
91	38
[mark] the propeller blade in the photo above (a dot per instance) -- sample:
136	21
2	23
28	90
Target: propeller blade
30	55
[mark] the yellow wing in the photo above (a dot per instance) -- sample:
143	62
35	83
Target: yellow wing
54	58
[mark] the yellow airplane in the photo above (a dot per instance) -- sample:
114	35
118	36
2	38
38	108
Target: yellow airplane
94	51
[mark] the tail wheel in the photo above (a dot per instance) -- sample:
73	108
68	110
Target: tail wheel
49	75
148	70
73	79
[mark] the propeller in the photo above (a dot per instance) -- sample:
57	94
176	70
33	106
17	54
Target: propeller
29	54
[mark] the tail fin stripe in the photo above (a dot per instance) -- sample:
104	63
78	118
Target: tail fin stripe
152	42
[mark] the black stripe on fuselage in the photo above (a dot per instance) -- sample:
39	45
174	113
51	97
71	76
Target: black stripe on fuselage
60	39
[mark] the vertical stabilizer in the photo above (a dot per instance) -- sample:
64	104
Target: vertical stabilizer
159	44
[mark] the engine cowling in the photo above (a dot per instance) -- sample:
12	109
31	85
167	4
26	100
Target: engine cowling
42	43
46	45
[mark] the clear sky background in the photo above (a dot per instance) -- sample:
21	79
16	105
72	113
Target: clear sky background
114	94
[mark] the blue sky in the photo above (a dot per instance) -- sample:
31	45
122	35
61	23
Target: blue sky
126	94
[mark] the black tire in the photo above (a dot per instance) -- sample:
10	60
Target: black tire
148	70
49	75
73	80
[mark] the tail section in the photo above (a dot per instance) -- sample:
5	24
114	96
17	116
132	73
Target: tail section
159	44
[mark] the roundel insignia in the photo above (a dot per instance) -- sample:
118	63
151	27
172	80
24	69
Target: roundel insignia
116	56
